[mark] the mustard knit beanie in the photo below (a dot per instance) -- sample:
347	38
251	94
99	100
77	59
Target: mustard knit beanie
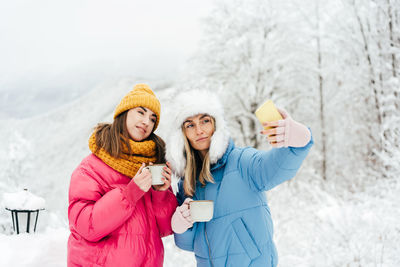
140	96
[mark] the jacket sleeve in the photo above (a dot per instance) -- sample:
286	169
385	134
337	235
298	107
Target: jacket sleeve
185	240
90	207
266	169
164	205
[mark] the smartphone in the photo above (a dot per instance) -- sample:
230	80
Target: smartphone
268	112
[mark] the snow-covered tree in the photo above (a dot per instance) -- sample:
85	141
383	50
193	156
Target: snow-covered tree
376	38
243	56
334	65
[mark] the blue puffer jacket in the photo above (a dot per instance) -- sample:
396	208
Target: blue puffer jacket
240	233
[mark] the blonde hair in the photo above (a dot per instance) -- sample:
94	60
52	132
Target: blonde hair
193	161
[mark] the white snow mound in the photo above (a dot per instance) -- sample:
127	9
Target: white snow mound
23	200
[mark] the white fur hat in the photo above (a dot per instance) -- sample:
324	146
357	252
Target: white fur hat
188	104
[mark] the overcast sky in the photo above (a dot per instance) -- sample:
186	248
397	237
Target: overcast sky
51	51
48	40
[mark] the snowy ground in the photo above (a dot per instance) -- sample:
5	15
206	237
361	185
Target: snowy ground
312	228
49	248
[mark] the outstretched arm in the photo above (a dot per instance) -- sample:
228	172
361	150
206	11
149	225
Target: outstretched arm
291	141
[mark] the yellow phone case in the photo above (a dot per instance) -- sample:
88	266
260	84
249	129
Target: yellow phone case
268	112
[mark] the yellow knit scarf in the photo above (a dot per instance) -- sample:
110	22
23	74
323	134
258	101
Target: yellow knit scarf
128	164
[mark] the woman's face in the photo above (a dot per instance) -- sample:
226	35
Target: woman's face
140	122
199	130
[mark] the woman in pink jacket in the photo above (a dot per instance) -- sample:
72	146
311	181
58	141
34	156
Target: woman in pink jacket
116	217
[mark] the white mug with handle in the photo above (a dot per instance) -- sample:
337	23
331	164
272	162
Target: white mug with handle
156	173
201	210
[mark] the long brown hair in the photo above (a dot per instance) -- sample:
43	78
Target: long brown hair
192	168
113	136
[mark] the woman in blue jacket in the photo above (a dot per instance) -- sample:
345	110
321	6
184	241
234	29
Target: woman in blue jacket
212	168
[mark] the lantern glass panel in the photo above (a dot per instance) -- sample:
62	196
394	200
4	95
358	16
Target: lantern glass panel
26	219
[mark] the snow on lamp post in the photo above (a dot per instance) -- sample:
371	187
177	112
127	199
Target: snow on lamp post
24	207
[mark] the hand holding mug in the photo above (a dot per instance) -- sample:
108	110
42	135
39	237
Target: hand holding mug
181	220
143	178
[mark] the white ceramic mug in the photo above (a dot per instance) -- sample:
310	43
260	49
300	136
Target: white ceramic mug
156	173
201	210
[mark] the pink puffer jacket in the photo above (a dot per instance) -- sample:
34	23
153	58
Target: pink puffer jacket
112	221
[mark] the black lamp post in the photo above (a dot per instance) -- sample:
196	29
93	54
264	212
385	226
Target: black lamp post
24	207
23	220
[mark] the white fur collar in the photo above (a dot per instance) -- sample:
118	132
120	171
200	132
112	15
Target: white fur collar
189	104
